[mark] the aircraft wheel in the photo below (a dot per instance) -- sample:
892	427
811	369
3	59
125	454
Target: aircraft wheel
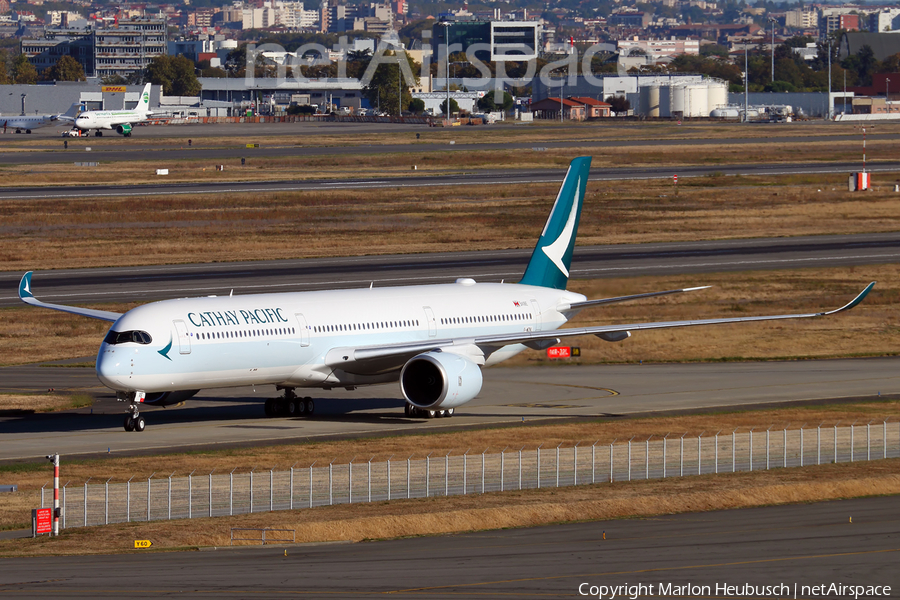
27	131
310	407
293	407
432	414
270	407
280	407
139	424
407	409
442	413
129	423
450	412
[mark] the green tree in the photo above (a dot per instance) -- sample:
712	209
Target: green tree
4	67
23	72
454	107
416	106
386	82
175	74
487	104
65	69
619	104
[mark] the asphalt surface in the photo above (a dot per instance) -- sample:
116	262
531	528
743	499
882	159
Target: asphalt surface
692	259
802	545
234	417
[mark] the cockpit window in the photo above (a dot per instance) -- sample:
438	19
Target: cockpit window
122	337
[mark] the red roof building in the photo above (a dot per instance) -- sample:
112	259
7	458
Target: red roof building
549	108
593	109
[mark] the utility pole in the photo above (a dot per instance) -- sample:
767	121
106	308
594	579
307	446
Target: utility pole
830	101
746	86
447	57
773	21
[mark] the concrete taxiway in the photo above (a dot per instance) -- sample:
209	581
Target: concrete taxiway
802	545
222	418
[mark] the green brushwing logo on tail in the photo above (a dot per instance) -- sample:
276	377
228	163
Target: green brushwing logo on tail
552	257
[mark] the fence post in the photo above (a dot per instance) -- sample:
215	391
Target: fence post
482	470
681	473
106	503
851	440
557	464
884	440
629	458
190	494
785	447
42	495
148	499
369	477
502	466
389	476
767	447
647	458
85	500
665	452
520	467
407	476
539	466
231	492
700	453
210	491
819	444
311	483
170	495
869	440
594	461
835	442
801	444
350	481
251	489
331	483
611	460
717	451
271	489
733	445
575	464
428	474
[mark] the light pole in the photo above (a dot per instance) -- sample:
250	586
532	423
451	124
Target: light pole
887	93
773	21
447	58
830	99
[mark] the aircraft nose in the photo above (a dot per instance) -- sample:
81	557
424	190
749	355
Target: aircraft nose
112	368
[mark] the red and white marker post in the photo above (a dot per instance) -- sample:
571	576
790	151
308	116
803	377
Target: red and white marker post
55	459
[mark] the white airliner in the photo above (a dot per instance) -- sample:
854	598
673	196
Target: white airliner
433	339
26	123
120	120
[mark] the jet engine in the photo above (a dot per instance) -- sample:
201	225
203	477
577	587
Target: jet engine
169	398
124	129
436	380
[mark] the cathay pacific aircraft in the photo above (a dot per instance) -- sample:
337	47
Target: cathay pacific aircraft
433	339
120	120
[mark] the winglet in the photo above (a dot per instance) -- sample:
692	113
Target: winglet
862	296
25	286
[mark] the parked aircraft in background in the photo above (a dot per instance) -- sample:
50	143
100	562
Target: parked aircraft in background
28	122
433	339
120	120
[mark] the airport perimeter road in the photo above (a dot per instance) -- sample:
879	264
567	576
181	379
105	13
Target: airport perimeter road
518	178
234	417
802	545
136	284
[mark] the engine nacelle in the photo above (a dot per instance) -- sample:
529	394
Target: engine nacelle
435	380
124	129
169	398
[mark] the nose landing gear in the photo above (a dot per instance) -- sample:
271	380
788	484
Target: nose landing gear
133	420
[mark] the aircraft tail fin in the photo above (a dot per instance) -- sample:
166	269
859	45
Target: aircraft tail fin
144	103
552	256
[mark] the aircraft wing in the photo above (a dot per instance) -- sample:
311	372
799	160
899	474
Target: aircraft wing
27	297
397	354
579	305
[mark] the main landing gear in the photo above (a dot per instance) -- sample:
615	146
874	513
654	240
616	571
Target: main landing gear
290	405
421	413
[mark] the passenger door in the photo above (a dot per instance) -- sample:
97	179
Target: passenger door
184	340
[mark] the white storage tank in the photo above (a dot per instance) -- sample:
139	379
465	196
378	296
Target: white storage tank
653	108
696	100
718	95
677	100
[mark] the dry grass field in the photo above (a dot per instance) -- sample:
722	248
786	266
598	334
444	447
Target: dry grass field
91	232
443	515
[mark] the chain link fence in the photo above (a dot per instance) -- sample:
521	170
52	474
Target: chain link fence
457	474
